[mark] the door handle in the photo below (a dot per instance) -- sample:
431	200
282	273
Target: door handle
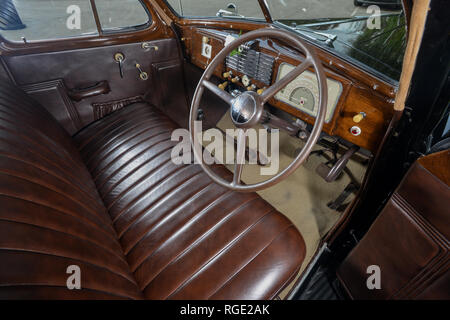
99	88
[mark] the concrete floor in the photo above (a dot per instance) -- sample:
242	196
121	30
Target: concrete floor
46	19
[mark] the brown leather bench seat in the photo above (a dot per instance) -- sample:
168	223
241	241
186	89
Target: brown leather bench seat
111	201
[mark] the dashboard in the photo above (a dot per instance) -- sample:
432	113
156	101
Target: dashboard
302	93
360	106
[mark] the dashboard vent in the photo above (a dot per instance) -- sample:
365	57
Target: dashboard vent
255	64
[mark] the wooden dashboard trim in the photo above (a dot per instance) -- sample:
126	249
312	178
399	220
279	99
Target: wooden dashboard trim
376	99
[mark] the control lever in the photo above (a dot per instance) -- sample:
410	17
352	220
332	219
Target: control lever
119	58
142	74
295	129
331	174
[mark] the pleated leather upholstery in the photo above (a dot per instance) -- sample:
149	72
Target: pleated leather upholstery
51	215
184	236
137	225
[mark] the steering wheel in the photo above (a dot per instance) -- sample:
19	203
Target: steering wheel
247	108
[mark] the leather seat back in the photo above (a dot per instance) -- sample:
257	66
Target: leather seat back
51	216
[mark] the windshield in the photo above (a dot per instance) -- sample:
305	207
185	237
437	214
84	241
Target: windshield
374	35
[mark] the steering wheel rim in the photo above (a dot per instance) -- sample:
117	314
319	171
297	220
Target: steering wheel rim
310	60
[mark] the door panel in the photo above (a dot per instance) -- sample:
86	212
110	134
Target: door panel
49	76
409	240
53	95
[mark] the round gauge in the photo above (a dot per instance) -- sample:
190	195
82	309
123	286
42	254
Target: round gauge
303	97
245	80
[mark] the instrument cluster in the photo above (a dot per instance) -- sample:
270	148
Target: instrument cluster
303	92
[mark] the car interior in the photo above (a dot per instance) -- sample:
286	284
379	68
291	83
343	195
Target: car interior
87	117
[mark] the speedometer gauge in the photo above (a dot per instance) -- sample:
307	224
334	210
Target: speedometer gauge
303	97
303	92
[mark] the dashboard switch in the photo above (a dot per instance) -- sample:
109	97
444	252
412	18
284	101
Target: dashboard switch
251	87
228	74
356	131
235	79
359	117
260	91
222	86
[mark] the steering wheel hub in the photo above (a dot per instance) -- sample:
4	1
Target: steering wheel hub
245	110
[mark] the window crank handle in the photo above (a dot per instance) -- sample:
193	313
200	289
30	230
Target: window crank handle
119	57
142	74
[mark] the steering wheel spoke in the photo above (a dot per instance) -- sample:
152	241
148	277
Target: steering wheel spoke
240	157
280	84
246	109
225	96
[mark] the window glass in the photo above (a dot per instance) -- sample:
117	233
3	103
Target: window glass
374	35
119	14
213	8
46	19
55	19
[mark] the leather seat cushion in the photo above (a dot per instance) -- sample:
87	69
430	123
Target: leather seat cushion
51	215
184	237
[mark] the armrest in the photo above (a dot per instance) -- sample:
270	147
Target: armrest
99	88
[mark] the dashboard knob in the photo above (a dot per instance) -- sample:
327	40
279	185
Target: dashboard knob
359	117
235	79
222	86
246	80
356	131
251	88
260	91
227	74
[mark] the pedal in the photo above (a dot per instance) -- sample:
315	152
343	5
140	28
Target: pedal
331	174
323	170
338	204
